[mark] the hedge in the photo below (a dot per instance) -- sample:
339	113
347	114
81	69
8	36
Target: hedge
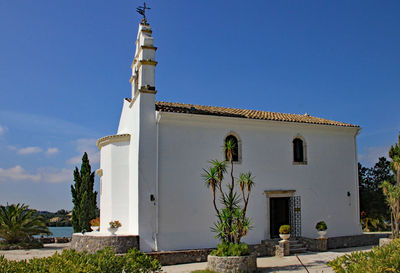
71	261
379	259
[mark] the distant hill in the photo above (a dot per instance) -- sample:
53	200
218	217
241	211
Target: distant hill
61	218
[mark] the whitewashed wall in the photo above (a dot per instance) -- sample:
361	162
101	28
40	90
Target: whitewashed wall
187	142
114	198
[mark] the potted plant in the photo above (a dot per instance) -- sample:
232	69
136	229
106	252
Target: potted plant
231	224
284	232
114	225
321	227
95	224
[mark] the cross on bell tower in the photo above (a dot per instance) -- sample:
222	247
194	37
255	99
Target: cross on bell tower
142	10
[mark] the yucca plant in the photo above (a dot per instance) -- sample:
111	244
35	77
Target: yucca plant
232	223
18	223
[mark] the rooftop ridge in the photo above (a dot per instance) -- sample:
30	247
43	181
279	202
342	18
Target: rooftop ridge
186	108
232	108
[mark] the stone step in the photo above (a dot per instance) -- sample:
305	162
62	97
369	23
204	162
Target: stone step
298	250
298	245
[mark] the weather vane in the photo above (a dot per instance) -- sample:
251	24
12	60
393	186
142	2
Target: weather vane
142	11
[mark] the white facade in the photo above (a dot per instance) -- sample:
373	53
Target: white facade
151	170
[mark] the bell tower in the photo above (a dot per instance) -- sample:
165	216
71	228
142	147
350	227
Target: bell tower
144	63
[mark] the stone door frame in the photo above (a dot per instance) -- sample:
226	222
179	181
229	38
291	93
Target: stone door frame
273	194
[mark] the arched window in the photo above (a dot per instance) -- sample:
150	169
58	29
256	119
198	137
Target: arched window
298	150
235	151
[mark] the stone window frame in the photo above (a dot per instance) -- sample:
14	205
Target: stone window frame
305	158
239	146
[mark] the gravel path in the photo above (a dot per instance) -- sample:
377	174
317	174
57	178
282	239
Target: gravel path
314	261
48	250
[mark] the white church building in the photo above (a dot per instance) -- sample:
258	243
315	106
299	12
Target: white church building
305	167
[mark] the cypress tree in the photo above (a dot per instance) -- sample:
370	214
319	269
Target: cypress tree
84	197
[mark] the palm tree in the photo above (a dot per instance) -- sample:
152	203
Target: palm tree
18	223
392	193
394	154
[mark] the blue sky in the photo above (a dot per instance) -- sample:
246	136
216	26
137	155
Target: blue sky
65	66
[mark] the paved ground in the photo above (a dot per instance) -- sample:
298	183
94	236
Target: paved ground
48	250
314	261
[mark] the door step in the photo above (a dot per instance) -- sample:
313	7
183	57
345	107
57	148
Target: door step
297	247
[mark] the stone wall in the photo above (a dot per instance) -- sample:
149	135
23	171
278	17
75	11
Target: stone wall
122	244
52	240
266	248
181	257
317	245
355	240
91	244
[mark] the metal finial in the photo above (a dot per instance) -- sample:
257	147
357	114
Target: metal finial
142	11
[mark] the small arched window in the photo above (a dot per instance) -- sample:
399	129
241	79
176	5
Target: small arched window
298	150
235	151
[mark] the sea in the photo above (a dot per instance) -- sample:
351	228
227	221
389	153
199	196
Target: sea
60	232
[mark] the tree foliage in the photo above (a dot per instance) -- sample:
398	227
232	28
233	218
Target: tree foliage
392	192
84	197
18	223
232	223
373	208
394	154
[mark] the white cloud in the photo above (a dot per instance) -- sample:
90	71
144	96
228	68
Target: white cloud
29	150
11	147
45	124
3	130
52	151
17	173
47	174
371	155
87	145
53	175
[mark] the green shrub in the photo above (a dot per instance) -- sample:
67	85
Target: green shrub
71	261
29	243
379	259
284	229
203	271
321	226
231	249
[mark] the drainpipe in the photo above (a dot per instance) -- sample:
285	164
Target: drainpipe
158	118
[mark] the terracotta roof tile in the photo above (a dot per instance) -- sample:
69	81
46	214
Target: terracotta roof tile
243	113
